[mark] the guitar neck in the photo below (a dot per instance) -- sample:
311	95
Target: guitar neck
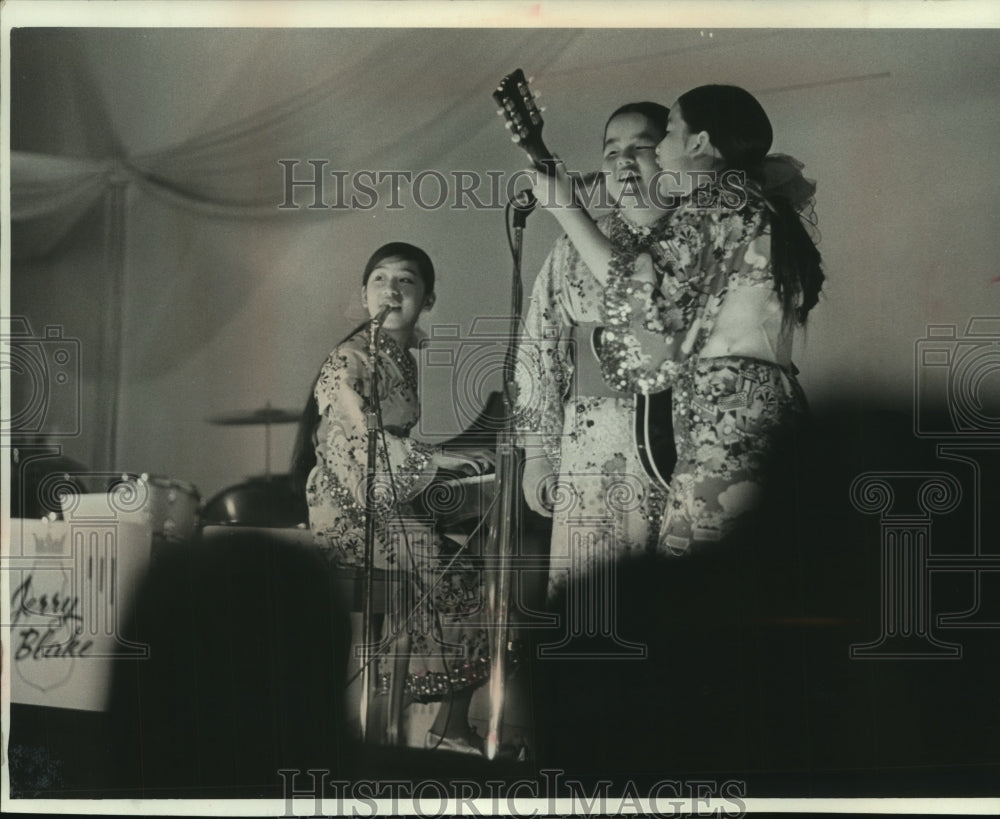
543	160
524	118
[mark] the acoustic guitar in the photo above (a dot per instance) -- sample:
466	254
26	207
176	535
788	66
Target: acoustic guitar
653	430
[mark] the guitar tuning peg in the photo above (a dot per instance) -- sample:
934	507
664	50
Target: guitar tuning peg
536	94
499	112
531	79
542	108
515	139
508	125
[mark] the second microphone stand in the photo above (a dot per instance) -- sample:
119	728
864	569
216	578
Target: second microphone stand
505	522
368	609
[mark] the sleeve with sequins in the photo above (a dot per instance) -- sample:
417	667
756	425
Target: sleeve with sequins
342	439
751	262
543	366
652	330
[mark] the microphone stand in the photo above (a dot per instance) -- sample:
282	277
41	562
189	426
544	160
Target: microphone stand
505	514
368	610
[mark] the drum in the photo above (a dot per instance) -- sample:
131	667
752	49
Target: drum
169	506
269	501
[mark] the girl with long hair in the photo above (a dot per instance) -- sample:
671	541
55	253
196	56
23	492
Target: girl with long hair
710	308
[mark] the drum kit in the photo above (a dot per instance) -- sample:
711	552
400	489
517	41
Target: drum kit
266	416
174	512
268	500
173	508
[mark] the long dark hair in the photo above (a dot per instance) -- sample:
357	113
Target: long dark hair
740	130
304	450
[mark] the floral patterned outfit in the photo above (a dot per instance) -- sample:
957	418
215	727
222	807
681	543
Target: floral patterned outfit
604	503
730	413
450	649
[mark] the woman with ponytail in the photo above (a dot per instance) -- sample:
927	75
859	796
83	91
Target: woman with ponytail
710	308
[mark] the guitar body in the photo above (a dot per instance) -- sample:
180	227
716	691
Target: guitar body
654	435
653	422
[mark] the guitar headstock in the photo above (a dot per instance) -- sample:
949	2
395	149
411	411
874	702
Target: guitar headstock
517	104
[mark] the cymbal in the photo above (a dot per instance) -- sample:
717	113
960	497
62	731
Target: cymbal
264	415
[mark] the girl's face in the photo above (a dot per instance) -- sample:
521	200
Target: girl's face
629	161
674	153
397	282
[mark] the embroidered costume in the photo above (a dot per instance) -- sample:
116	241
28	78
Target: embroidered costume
449	649
729	412
604	503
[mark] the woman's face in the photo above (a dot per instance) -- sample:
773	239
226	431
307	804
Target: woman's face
629	161
396	282
673	152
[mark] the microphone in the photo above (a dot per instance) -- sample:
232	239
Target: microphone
525	200
374	329
380	316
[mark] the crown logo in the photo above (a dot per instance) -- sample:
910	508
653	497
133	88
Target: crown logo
48	544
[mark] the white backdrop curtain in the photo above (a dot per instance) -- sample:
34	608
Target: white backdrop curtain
155	153
198	230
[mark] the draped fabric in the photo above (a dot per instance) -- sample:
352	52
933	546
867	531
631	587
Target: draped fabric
189	128
228	301
49	195
231	168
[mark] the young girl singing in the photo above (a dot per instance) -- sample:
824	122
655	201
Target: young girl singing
449	649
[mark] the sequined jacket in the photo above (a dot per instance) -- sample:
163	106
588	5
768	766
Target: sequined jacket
336	487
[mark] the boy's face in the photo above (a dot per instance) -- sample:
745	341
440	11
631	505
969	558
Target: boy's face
630	156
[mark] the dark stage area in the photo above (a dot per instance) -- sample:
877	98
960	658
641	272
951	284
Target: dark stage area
748	672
